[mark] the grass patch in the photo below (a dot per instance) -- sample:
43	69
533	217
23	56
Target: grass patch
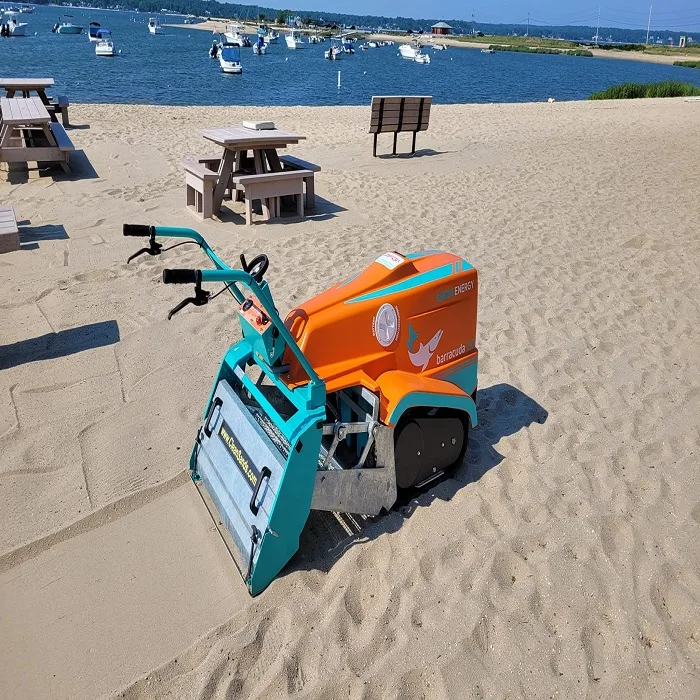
532	42
541	49
687	64
630	91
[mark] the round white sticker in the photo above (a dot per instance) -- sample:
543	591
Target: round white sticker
386	325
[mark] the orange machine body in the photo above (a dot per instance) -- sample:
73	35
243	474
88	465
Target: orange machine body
404	328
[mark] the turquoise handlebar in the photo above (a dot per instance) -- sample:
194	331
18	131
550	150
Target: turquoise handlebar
226	274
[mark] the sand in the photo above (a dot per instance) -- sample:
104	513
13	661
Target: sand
562	559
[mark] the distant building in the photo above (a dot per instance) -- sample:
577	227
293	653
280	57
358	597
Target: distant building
441	28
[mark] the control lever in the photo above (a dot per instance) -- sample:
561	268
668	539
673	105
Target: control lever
201	296
257	267
154	248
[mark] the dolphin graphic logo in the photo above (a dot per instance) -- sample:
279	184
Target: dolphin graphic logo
422	356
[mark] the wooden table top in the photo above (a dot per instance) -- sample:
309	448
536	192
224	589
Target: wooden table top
20	111
240	137
26	83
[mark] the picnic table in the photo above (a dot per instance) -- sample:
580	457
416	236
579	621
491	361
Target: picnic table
26	86
237	142
27	134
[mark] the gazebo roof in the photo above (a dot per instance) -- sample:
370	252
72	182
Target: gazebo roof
441	25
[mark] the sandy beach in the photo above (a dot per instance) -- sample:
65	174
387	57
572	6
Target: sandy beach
561	561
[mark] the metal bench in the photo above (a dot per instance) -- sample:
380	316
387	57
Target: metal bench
394	114
293	163
199	183
268	188
9	233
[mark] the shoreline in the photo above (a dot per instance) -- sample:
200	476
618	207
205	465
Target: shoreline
558	559
219	25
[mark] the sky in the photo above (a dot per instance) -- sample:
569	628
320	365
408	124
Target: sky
677	15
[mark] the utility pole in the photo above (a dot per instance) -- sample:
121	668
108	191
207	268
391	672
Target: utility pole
473	26
649	24
527	33
597	31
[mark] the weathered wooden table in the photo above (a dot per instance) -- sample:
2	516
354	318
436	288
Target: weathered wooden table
26	133
237	141
26	86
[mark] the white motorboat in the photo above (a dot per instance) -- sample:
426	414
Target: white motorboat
440	47
215	48
372	44
26	9
259	47
315	39
154	26
234	35
66	26
488	51
10	26
335	52
230	58
105	47
422	58
272	37
294	41
409	51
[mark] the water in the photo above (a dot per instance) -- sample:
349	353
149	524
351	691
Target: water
175	69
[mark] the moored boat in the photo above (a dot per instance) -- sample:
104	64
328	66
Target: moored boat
105	47
66	26
409	51
154	26
234	35
230	58
10	26
293	40
335	52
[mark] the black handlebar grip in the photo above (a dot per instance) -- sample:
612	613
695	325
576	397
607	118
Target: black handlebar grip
137	230
181	276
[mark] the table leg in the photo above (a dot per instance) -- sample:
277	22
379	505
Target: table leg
225	170
259	162
273	160
44	98
268	205
49	135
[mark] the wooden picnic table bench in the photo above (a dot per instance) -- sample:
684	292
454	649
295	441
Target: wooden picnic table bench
268	188
28	135
395	114
290	162
25	86
9	233
247	153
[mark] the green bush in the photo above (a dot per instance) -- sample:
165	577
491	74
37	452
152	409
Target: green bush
630	91
687	64
622	47
540	49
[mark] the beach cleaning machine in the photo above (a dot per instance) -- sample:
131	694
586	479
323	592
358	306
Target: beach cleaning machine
363	393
